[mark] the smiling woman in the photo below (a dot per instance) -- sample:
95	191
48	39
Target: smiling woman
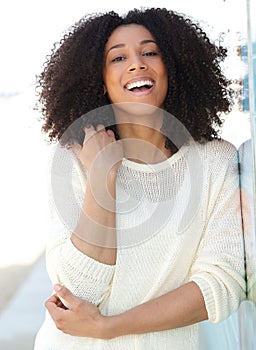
146	238
194	75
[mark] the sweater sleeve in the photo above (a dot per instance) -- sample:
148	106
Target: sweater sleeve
218	268
83	276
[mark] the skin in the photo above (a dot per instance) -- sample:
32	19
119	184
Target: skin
130	54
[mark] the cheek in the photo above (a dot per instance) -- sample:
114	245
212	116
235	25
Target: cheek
112	84
164	81
112	93
162	72
109	79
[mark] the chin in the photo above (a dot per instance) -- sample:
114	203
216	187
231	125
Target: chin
136	108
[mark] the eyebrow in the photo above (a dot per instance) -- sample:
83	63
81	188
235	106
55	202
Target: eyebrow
118	46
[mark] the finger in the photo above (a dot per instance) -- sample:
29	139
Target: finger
56	312
53	303
89	131
66	295
111	134
53	298
100	127
89	128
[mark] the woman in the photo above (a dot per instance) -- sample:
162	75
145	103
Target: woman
146	236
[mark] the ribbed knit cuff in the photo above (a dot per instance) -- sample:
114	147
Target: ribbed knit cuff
74	260
207	287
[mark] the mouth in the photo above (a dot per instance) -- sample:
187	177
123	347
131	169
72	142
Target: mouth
140	87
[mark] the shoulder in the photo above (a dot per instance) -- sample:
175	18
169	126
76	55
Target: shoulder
61	155
216	157
220	151
222	146
64	161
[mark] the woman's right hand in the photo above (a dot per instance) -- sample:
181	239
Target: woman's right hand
100	150
101	155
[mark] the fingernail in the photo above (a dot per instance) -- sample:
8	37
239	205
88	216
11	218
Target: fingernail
88	126
57	287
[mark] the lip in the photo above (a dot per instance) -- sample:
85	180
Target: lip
140	93
139	78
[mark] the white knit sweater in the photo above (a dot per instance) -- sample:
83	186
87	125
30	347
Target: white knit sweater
177	221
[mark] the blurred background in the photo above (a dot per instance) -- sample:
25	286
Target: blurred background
28	31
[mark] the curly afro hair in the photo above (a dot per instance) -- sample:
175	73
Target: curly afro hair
71	83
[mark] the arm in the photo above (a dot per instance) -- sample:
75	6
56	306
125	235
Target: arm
181	307
72	258
95	233
218	268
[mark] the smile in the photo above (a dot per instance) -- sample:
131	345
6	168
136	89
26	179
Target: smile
140	87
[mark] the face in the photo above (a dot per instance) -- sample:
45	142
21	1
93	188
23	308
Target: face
133	69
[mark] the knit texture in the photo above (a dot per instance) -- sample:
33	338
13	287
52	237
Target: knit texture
177	221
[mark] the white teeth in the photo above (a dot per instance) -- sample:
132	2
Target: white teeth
138	84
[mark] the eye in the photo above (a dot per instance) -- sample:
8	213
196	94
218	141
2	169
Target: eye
118	59
150	53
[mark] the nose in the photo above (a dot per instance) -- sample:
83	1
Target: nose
141	67
137	64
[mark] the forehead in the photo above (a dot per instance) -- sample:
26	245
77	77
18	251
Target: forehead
128	33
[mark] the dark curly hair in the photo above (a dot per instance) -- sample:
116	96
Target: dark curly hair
71	83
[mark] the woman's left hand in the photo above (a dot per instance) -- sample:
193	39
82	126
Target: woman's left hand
80	319
181	307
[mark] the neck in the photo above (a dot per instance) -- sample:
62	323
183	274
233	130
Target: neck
143	142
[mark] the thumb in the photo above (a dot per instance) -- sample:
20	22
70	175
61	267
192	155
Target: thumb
68	299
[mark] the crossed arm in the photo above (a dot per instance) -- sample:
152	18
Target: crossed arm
181	307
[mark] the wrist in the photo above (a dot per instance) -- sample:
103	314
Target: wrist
101	168
114	326
109	327
103	184
103	175
106	328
